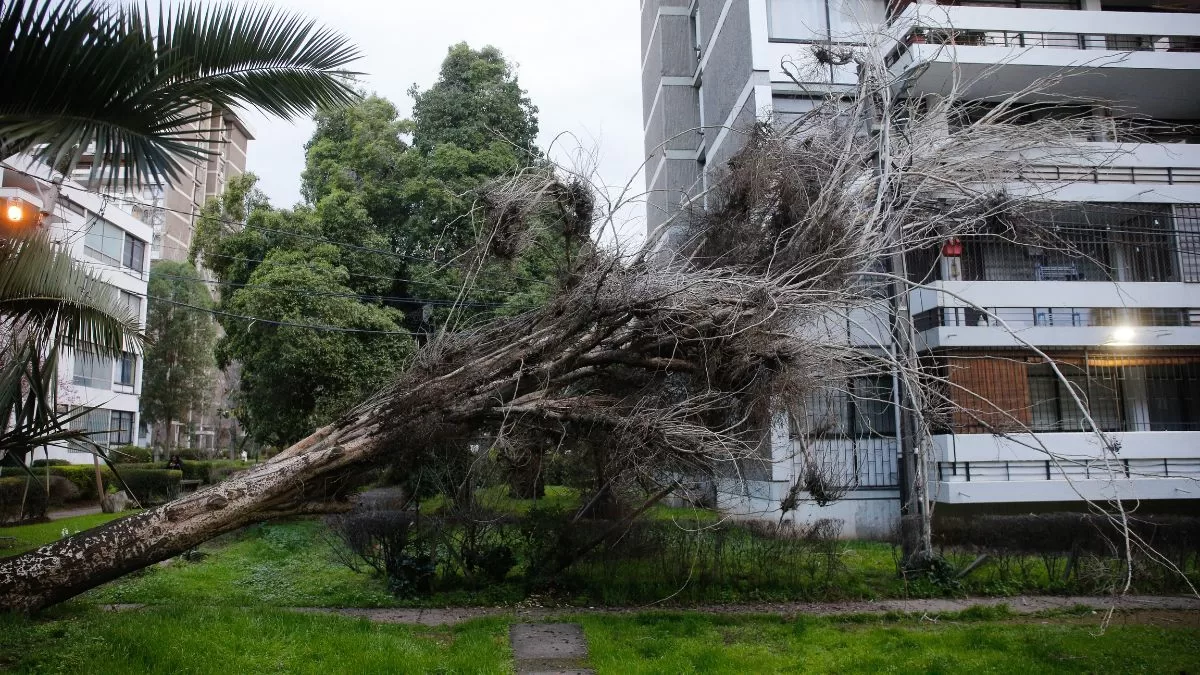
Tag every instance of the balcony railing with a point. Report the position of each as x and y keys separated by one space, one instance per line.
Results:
x=1070 y=317
x=1065 y=469
x=1145 y=175
x=1024 y=39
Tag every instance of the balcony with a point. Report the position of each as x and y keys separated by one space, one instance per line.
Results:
x=988 y=469
x=961 y=326
x=1144 y=62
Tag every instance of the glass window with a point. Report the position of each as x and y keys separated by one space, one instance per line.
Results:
x=133 y=302
x=135 y=253
x=798 y=19
x=104 y=241
x=122 y=428
x=126 y=370
x=95 y=423
x=872 y=412
x=92 y=370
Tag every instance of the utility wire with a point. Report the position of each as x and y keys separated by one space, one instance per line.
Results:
x=313 y=292
x=254 y=319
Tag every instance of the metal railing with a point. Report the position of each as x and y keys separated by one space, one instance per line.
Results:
x=1070 y=317
x=1064 y=469
x=1024 y=39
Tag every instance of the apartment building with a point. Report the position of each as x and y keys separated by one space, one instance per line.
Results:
x=115 y=244
x=171 y=208
x=1122 y=320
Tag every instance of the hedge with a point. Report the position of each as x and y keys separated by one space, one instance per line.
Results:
x=50 y=462
x=130 y=454
x=83 y=476
x=34 y=492
x=153 y=486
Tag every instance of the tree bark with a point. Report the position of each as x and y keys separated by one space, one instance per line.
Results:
x=70 y=566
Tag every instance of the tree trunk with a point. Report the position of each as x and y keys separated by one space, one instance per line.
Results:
x=70 y=566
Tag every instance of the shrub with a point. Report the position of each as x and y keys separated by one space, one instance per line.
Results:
x=153 y=486
x=83 y=476
x=33 y=490
x=130 y=454
x=51 y=462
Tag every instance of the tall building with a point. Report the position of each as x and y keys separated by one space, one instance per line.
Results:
x=1122 y=320
x=172 y=207
x=114 y=243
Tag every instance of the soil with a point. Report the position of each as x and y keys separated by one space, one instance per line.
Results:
x=1140 y=609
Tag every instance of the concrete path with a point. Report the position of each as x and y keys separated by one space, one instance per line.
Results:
x=1018 y=604
x=549 y=649
x=71 y=513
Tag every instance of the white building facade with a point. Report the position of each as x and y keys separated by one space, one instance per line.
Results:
x=1123 y=321
x=115 y=245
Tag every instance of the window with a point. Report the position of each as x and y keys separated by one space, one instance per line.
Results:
x=864 y=410
x=818 y=20
x=92 y=370
x=1053 y=404
x=871 y=412
x=104 y=241
x=110 y=244
x=126 y=370
x=135 y=253
x=133 y=302
x=122 y=428
x=94 y=423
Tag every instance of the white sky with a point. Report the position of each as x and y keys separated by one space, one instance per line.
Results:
x=578 y=59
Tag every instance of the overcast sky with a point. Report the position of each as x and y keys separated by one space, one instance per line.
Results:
x=578 y=59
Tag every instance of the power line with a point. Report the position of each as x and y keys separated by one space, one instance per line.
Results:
x=313 y=292
x=246 y=225
x=254 y=319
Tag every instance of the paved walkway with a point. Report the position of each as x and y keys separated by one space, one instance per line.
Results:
x=549 y=649
x=1018 y=604
x=71 y=513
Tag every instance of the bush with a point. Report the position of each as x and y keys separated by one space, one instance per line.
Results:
x=153 y=486
x=130 y=454
x=51 y=462
x=83 y=477
x=33 y=490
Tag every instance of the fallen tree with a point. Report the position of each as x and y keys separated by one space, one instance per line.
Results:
x=679 y=358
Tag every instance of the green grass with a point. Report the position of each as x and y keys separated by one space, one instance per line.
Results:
x=695 y=643
x=280 y=564
x=224 y=640
x=32 y=536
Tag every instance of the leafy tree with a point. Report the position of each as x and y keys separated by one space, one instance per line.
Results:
x=179 y=368
x=475 y=102
x=296 y=375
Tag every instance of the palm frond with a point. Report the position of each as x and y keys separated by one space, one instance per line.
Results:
x=49 y=295
x=87 y=76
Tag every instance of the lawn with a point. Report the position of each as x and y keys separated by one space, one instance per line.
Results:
x=230 y=640
x=696 y=643
x=175 y=639
x=31 y=536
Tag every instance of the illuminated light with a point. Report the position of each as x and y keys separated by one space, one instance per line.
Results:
x=1124 y=334
x=14 y=212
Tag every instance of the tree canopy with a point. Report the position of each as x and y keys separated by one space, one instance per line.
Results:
x=179 y=365
x=383 y=243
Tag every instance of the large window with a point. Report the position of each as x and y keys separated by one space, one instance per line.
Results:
x=96 y=423
x=820 y=20
x=92 y=370
x=110 y=244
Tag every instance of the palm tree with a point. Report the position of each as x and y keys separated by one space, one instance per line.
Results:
x=125 y=83
x=129 y=81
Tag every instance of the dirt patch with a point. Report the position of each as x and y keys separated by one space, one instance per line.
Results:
x=1169 y=607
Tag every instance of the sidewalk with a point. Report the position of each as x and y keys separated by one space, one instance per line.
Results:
x=71 y=513
x=1018 y=604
